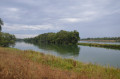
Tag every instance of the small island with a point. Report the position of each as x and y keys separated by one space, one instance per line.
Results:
x=61 y=37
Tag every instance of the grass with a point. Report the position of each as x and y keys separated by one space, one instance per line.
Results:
x=110 y=46
x=28 y=64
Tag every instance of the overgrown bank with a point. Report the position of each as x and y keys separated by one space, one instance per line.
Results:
x=28 y=64
x=110 y=46
x=105 y=39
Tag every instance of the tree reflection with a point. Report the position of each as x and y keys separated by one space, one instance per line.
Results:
x=61 y=49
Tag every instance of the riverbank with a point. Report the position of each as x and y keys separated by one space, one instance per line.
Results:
x=29 y=64
x=102 y=40
x=109 y=46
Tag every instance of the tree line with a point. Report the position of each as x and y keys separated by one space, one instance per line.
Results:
x=6 y=39
x=61 y=37
x=104 y=38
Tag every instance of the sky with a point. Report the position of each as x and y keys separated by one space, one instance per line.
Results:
x=91 y=18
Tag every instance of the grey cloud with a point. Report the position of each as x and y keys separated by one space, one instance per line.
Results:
x=83 y=15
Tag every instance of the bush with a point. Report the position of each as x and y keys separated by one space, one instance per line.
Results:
x=6 y=39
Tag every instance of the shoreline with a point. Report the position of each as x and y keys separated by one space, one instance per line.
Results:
x=102 y=40
x=16 y=58
x=109 y=46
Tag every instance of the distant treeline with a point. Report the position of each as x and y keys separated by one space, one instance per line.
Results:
x=6 y=39
x=109 y=46
x=104 y=38
x=61 y=37
x=19 y=39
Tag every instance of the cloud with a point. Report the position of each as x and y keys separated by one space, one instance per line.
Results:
x=74 y=20
x=25 y=35
x=13 y=9
x=10 y=13
x=15 y=27
x=52 y=15
x=70 y=19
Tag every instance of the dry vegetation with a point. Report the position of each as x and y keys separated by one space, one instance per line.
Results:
x=14 y=66
x=17 y=64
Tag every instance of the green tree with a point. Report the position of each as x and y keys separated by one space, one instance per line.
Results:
x=61 y=37
x=1 y=23
x=6 y=39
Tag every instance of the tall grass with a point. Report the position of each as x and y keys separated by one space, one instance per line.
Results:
x=110 y=46
x=36 y=65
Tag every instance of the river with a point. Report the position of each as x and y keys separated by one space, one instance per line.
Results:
x=86 y=54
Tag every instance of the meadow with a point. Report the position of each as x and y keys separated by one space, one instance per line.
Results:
x=28 y=64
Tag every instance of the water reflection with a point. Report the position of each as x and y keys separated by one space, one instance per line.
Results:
x=61 y=49
x=85 y=54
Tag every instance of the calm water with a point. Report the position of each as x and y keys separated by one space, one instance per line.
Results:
x=85 y=54
x=117 y=43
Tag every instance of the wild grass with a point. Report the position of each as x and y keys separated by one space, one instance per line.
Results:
x=28 y=64
x=109 y=46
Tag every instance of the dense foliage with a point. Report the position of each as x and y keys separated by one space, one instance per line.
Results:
x=6 y=39
x=61 y=37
